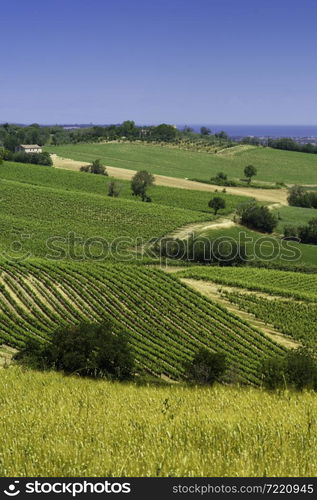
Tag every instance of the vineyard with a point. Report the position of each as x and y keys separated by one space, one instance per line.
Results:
x=166 y=322
x=285 y=283
x=297 y=319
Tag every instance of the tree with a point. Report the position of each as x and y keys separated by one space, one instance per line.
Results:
x=273 y=372
x=206 y=367
x=250 y=171
x=257 y=217
x=205 y=131
x=86 y=349
x=113 y=189
x=95 y=168
x=217 y=203
x=141 y=181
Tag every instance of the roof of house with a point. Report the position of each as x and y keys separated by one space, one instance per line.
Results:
x=30 y=146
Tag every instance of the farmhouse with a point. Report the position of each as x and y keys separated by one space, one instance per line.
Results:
x=29 y=148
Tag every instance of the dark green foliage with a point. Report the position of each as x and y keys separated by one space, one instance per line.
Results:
x=221 y=251
x=206 y=367
x=257 y=217
x=250 y=171
x=291 y=145
x=298 y=369
x=205 y=131
x=141 y=181
x=95 y=168
x=85 y=349
x=305 y=234
x=217 y=203
x=34 y=158
x=221 y=179
x=299 y=197
x=273 y=372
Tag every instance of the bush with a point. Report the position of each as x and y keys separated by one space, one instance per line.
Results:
x=298 y=369
x=34 y=158
x=95 y=168
x=299 y=197
x=85 y=349
x=206 y=367
x=257 y=217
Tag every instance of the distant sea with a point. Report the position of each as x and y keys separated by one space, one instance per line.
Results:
x=261 y=130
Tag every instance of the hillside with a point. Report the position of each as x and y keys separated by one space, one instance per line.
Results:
x=273 y=165
x=166 y=321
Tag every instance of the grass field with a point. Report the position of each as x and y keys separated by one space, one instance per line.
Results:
x=273 y=165
x=57 y=426
x=294 y=216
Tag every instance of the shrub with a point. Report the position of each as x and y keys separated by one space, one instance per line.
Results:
x=273 y=373
x=257 y=217
x=85 y=349
x=95 y=168
x=206 y=367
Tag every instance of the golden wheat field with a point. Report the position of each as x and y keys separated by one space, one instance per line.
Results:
x=51 y=425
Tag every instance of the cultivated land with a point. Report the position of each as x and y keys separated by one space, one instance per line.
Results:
x=273 y=165
x=246 y=312
x=57 y=426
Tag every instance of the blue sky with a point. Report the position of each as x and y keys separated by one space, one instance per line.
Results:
x=178 y=61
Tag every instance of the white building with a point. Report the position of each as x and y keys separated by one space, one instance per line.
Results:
x=29 y=148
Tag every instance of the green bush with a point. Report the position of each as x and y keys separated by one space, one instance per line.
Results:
x=206 y=367
x=85 y=349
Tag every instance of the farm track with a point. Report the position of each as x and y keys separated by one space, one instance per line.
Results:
x=263 y=195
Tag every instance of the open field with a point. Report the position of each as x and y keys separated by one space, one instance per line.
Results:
x=264 y=195
x=57 y=426
x=166 y=322
x=273 y=165
x=75 y=181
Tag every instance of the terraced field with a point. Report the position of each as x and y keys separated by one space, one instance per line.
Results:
x=166 y=321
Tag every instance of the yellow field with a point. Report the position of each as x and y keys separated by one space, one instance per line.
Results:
x=56 y=426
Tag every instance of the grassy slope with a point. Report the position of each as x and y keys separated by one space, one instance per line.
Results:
x=273 y=165
x=106 y=429
x=96 y=184
x=294 y=216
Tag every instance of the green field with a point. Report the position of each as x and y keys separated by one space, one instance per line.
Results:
x=293 y=318
x=72 y=427
x=273 y=165
x=67 y=180
x=294 y=216
x=165 y=321
x=284 y=283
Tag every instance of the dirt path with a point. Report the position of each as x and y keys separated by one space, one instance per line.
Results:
x=183 y=233
x=212 y=291
x=265 y=195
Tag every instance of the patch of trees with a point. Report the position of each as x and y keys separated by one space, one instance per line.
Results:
x=305 y=234
x=95 y=167
x=221 y=251
x=34 y=158
x=221 y=179
x=93 y=350
x=290 y=145
x=206 y=367
x=297 y=369
x=140 y=184
x=300 y=197
x=13 y=135
x=257 y=217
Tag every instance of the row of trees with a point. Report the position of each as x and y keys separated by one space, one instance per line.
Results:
x=34 y=158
